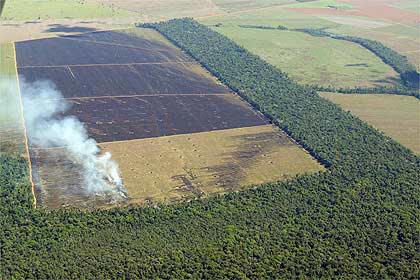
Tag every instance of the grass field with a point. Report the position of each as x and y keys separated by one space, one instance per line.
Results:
x=11 y=131
x=323 y=4
x=239 y=5
x=400 y=37
x=272 y=16
x=409 y=5
x=173 y=168
x=42 y=9
x=314 y=60
x=397 y=116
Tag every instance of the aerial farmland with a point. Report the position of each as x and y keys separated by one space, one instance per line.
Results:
x=176 y=132
x=209 y=139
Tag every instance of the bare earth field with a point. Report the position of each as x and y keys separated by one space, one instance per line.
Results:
x=173 y=168
x=397 y=116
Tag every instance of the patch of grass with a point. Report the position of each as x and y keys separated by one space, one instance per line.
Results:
x=409 y=5
x=7 y=61
x=273 y=16
x=58 y=9
x=401 y=38
x=314 y=60
x=323 y=4
x=180 y=167
x=397 y=116
x=11 y=130
x=237 y=5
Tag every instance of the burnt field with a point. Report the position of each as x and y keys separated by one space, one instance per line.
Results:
x=126 y=118
x=61 y=178
x=70 y=51
x=131 y=79
x=134 y=86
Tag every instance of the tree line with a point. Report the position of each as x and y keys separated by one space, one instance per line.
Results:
x=356 y=220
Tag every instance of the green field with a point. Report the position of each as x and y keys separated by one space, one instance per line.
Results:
x=57 y=9
x=237 y=5
x=11 y=132
x=314 y=60
x=409 y=5
x=397 y=116
x=272 y=16
x=323 y=4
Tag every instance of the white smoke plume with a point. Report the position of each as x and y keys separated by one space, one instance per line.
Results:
x=47 y=127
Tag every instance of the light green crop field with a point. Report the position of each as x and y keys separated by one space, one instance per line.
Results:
x=404 y=39
x=409 y=5
x=11 y=129
x=323 y=4
x=237 y=5
x=271 y=16
x=397 y=116
x=314 y=60
x=58 y=9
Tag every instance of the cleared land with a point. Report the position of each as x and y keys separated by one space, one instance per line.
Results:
x=397 y=116
x=126 y=118
x=131 y=85
x=76 y=51
x=173 y=168
x=315 y=60
x=11 y=129
x=58 y=178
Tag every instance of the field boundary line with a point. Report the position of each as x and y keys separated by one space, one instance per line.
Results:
x=173 y=135
x=107 y=64
x=24 y=129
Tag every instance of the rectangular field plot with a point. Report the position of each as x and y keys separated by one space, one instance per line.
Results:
x=133 y=79
x=12 y=137
x=174 y=168
x=397 y=116
x=125 y=118
x=71 y=51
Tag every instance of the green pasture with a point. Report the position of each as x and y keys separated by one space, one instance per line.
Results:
x=323 y=4
x=236 y=5
x=58 y=9
x=11 y=133
x=314 y=60
x=272 y=16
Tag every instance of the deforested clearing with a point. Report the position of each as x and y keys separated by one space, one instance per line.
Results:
x=180 y=133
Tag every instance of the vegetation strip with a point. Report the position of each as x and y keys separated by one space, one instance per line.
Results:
x=358 y=220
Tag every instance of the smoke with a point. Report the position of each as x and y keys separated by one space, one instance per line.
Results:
x=47 y=127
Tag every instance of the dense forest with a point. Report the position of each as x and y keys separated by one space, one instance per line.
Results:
x=358 y=220
x=407 y=71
